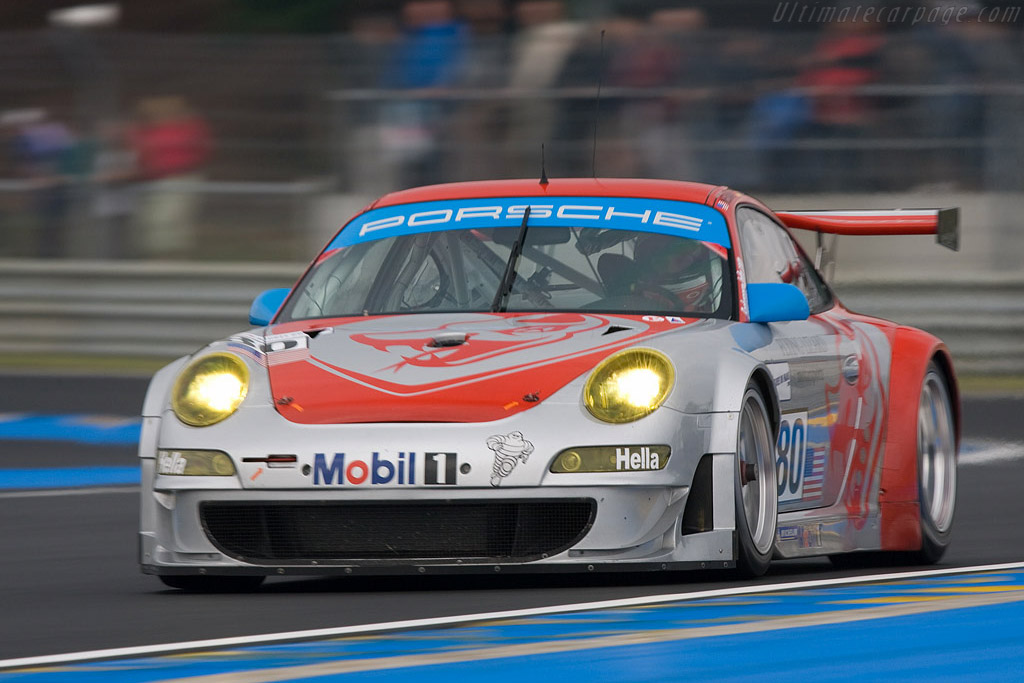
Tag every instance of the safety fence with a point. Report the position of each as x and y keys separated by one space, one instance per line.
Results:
x=167 y=309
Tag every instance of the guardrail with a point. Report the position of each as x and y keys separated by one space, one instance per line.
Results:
x=165 y=309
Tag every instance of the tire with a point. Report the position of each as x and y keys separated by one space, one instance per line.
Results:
x=757 y=501
x=213 y=584
x=936 y=465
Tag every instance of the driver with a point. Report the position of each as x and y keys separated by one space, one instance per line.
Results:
x=677 y=267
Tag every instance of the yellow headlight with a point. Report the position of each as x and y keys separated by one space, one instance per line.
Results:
x=629 y=385
x=210 y=389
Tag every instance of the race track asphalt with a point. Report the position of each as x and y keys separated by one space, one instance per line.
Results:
x=69 y=580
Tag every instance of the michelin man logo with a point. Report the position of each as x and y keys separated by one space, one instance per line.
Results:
x=509 y=450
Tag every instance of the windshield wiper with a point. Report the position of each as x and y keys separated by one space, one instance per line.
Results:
x=509 y=278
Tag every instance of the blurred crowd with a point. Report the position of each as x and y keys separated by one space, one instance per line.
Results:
x=134 y=177
x=440 y=90
x=775 y=110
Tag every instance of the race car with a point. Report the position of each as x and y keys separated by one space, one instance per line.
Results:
x=566 y=375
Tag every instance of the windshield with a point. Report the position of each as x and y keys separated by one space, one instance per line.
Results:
x=562 y=266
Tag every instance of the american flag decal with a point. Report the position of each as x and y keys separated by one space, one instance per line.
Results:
x=814 y=474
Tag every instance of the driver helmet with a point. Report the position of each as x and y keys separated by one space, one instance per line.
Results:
x=676 y=264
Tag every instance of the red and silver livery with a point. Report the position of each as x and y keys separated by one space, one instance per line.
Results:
x=581 y=374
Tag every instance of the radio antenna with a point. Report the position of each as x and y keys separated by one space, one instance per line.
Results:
x=543 y=167
x=597 y=105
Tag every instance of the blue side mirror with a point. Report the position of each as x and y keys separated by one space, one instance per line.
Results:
x=265 y=306
x=775 y=302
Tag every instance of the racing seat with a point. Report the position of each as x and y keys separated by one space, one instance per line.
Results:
x=618 y=274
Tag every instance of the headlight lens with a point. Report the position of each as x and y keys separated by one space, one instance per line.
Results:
x=611 y=459
x=629 y=385
x=195 y=463
x=210 y=389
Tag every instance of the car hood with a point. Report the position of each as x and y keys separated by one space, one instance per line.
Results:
x=468 y=367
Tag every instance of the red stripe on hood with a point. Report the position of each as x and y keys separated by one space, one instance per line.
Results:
x=386 y=370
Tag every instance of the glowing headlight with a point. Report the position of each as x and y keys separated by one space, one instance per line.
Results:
x=210 y=389
x=629 y=385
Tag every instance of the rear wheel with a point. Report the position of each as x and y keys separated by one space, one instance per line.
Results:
x=756 y=494
x=936 y=465
x=936 y=480
x=213 y=584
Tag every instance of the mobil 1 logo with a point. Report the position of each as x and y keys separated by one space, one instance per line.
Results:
x=440 y=469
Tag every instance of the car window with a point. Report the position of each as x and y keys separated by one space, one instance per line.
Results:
x=564 y=268
x=770 y=255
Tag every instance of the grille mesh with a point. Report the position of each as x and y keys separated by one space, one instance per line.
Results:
x=500 y=531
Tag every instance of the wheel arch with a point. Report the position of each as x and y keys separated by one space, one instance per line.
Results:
x=898 y=496
x=762 y=380
x=159 y=387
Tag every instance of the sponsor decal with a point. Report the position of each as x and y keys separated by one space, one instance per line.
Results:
x=741 y=281
x=402 y=469
x=509 y=450
x=805 y=536
x=440 y=468
x=674 y=319
x=641 y=460
x=624 y=213
x=273 y=349
x=170 y=463
x=342 y=471
x=782 y=379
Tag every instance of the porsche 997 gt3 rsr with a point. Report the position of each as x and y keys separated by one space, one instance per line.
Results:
x=575 y=375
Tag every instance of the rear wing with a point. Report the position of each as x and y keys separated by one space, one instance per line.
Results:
x=943 y=223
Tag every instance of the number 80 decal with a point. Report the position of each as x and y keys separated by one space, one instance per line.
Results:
x=791 y=456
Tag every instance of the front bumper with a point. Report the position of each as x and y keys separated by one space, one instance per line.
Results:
x=636 y=519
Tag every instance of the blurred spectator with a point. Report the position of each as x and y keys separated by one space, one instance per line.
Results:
x=172 y=144
x=429 y=57
x=363 y=59
x=480 y=119
x=44 y=151
x=846 y=58
x=973 y=55
x=115 y=172
x=671 y=53
x=543 y=42
x=737 y=67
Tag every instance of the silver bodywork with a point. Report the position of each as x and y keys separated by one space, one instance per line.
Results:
x=818 y=373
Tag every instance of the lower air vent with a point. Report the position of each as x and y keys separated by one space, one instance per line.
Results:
x=422 y=532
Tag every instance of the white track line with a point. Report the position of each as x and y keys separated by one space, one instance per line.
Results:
x=82 y=491
x=316 y=634
x=983 y=452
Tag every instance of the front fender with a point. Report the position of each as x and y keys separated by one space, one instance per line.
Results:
x=159 y=389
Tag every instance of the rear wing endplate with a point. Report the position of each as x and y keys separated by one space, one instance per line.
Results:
x=943 y=223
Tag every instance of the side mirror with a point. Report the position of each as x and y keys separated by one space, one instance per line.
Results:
x=265 y=306
x=773 y=302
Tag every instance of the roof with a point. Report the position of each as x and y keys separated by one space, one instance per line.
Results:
x=558 y=187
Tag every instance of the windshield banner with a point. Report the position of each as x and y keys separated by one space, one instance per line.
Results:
x=682 y=219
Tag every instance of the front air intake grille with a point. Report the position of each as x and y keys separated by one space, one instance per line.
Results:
x=479 y=531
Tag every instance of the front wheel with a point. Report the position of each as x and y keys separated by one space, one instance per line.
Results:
x=757 y=499
x=936 y=466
